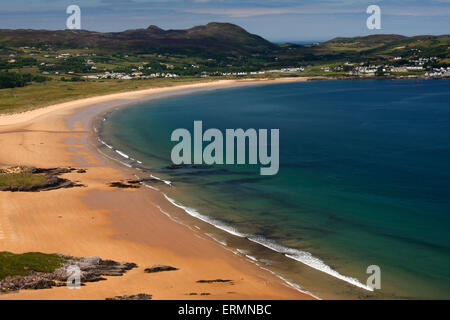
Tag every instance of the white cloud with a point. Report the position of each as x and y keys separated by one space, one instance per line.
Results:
x=430 y=11
x=250 y=12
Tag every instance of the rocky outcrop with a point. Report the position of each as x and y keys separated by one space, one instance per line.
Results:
x=139 y=296
x=53 y=181
x=188 y=166
x=160 y=268
x=123 y=185
x=214 y=281
x=134 y=184
x=91 y=269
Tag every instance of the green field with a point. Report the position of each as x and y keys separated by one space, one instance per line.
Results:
x=36 y=95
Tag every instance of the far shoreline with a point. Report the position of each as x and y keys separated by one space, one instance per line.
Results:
x=208 y=82
x=144 y=94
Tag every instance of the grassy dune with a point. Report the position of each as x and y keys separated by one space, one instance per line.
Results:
x=20 y=264
x=20 y=179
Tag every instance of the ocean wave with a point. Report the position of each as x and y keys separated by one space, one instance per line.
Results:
x=268 y=262
x=224 y=243
x=146 y=185
x=308 y=259
x=194 y=213
x=169 y=183
x=289 y=283
x=170 y=216
x=251 y=257
x=149 y=187
x=295 y=254
x=122 y=154
x=104 y=143
x=114 y=159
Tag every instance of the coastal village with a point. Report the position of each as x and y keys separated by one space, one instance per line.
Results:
x=412 y=67
x=92 y=65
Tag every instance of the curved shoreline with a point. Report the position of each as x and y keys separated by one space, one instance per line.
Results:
x=145 y=94
x=124 y=158
x=97 y=226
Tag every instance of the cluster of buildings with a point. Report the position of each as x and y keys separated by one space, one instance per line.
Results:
x=438 y=72
x=406 y=68
x=244 y=73
x=414 y=65
x=422 y=61
x=68 y=55
x=133 y=75
x=399 y=65
x=385 y=69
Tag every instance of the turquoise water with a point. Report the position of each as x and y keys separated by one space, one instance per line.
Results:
x=364 y=175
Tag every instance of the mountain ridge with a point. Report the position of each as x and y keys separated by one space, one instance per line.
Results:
x=221 y=40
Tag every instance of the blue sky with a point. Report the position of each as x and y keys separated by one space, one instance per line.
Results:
x=282 y=20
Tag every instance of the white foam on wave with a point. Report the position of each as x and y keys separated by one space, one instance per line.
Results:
x=169 y=183
x=194 y=213
x=104 y=154
x=168 y=215
x=308 y=259
x=244 y=252
x=224 y=243
x=123 y=154
x=144 y=184
x=150 y=187
x=268 y=262
x=251 y=257
x=295 y=254
x=289 y=283
x=104 y=143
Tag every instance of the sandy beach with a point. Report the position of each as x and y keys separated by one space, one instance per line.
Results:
x=118 y=224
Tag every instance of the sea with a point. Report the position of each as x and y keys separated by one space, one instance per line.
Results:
x=360 y=206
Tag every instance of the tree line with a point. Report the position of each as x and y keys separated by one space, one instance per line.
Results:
x=14 y=79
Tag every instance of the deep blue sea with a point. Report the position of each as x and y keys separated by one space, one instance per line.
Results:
x=364 y=180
